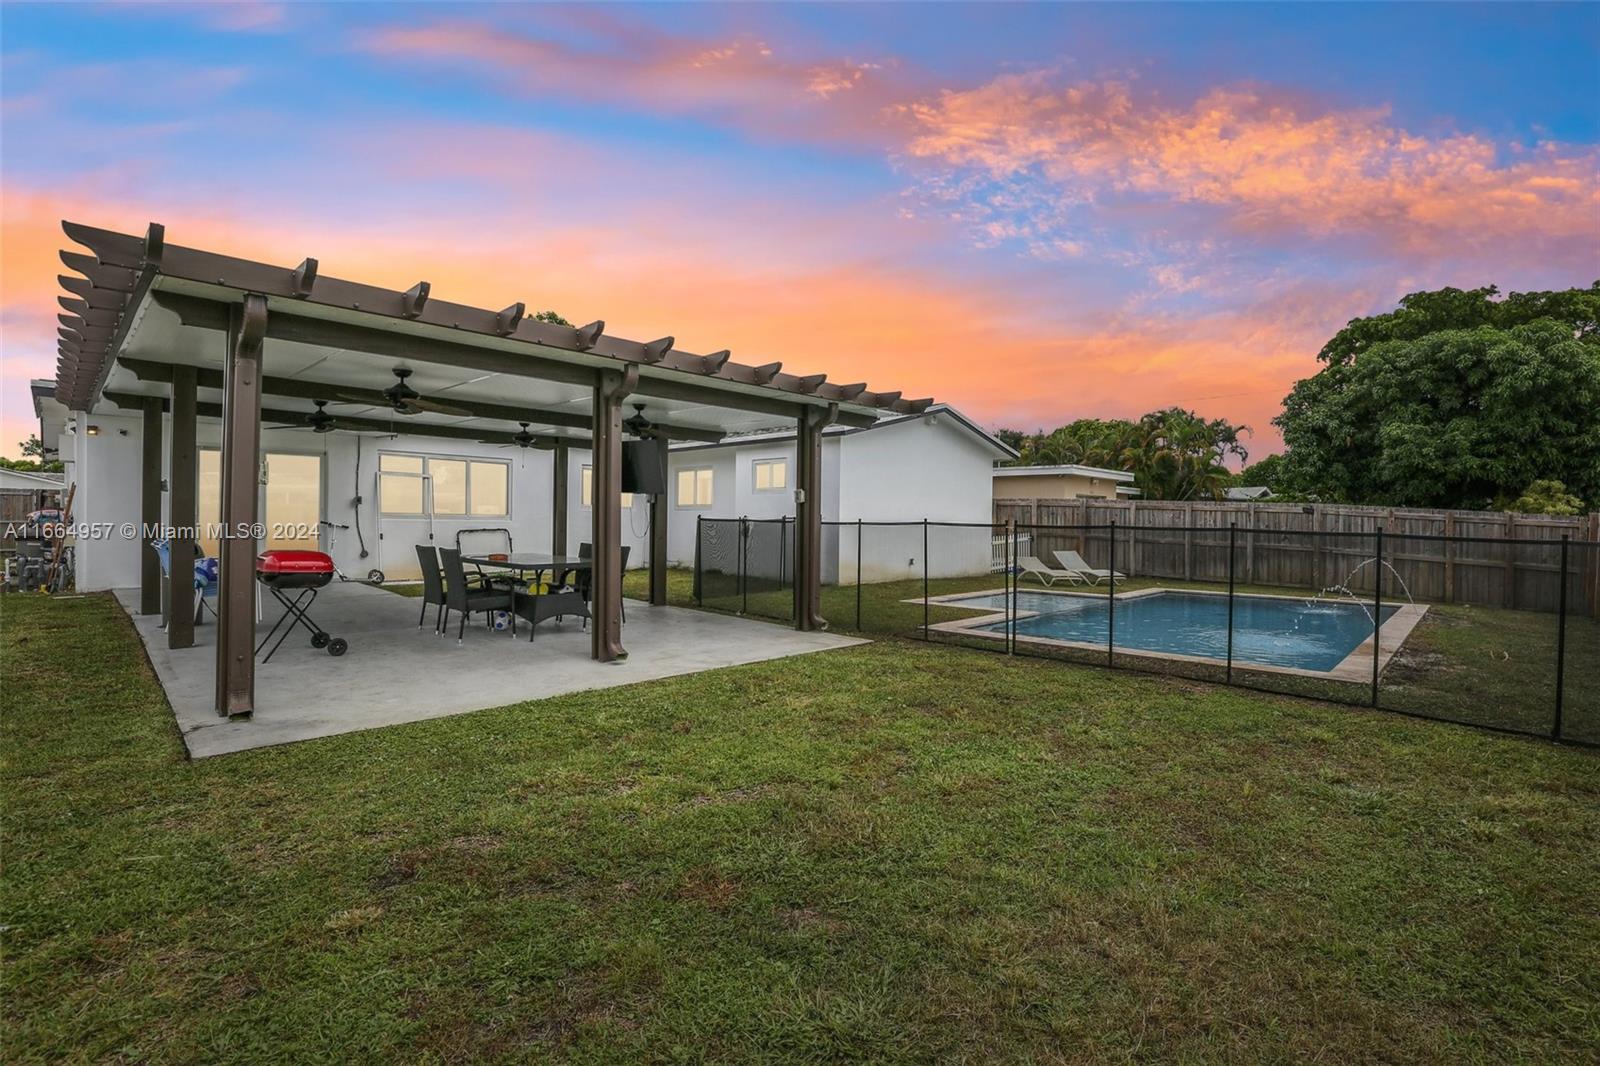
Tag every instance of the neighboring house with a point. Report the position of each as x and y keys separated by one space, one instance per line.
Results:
x=1066 y=482
x=1247 y=494
x=30 y=482
x=933 y=465
x=21 y=493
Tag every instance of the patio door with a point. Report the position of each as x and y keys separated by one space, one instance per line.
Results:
x=292 y=504
x=289 y=500
x=404 y=492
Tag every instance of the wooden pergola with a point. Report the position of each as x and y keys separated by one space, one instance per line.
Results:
x=181 y=332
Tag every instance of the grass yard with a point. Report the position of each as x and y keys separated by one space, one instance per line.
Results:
x=897 y=852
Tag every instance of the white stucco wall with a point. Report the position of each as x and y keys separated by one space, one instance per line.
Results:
x=106 y=468
x=580 y=519
x=931 y=468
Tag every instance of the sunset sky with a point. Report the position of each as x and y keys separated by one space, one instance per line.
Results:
x=1033 y=213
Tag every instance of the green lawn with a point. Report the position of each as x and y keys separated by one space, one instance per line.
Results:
x=893 y=852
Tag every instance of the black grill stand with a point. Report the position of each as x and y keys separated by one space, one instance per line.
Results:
x=297 y=611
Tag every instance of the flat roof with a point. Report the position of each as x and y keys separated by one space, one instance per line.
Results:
x=137 y=306
x=1064 y=470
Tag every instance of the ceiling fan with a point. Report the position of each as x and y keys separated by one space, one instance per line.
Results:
x=523 y=439
x=639 y=425
x=318 y=421
x=404 y=400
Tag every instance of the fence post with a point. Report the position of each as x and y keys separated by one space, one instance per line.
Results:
x=1377 y=613
x=1011 y=594
x=699 y=533
x=783 y=551
x=1133 y=538
x=858 y=575
x=924 y=579
x=1511 y=561
x=1449 y=557
x=1250 y=547
x=1561 y=638
x=1111 y=602
x=744 y=565
x=1188 y=540
x=1233 y=536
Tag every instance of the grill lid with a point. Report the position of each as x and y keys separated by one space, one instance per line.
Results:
x=293 y=561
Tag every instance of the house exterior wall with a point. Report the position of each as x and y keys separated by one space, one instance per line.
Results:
x=391 y=539
x=580 y=519
x=903 y=472
x=1054 y=487
x=683 y=522
x=929 y=468
x=106 y=468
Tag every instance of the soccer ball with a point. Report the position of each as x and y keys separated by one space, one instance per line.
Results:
x=502 y=620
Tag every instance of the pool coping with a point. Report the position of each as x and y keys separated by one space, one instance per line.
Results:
x=1356 y=666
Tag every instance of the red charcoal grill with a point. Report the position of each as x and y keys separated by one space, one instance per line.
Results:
x=300 y=573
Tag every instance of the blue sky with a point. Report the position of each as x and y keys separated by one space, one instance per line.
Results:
x=1034 y=212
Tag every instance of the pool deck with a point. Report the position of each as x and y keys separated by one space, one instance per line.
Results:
x=1357 y=666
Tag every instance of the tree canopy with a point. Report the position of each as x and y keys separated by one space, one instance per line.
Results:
x=1173 y=454
x=1456 y=399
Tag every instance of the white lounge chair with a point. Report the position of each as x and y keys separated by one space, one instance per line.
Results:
x=1072 y=563
x=1031 y=564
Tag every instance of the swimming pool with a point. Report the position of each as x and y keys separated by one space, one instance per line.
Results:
x=1274 y=631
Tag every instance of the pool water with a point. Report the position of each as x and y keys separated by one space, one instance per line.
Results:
x=1270 y=630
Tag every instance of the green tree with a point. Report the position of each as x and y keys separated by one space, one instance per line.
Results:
x=1266 y=471
x=1454 y=400
x=33 y=458
x=1546 y=497
x=1173 y=454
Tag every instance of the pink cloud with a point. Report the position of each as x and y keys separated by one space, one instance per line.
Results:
x=742 y=80
x=1271 y=170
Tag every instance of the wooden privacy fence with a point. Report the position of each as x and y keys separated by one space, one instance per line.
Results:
x=1489 y=558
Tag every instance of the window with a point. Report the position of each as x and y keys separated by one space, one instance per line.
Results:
x=588 y=490
x=694 y=487
x=771 y=475
x=449 y=486
x=454 y=487
x=491 y=492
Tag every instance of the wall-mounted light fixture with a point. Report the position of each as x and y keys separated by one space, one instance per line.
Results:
x=93 y=431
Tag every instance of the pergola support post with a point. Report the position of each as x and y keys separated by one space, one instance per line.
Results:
x=150 y=506
x=562 y=472
x=659 y=510
x=241 y=473
x=611 y=388
x=183 y=514
x=808 y=517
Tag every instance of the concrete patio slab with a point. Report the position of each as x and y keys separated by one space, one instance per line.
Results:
x=396 y=673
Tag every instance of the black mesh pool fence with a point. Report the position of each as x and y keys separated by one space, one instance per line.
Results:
x=1493 y=632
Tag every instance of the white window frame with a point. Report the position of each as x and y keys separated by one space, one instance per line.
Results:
x=586 y=490
x=757 y=464
x=427 y=484
x=695 y=503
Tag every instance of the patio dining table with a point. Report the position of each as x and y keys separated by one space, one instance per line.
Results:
x=535 y=606
x=534 y=563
